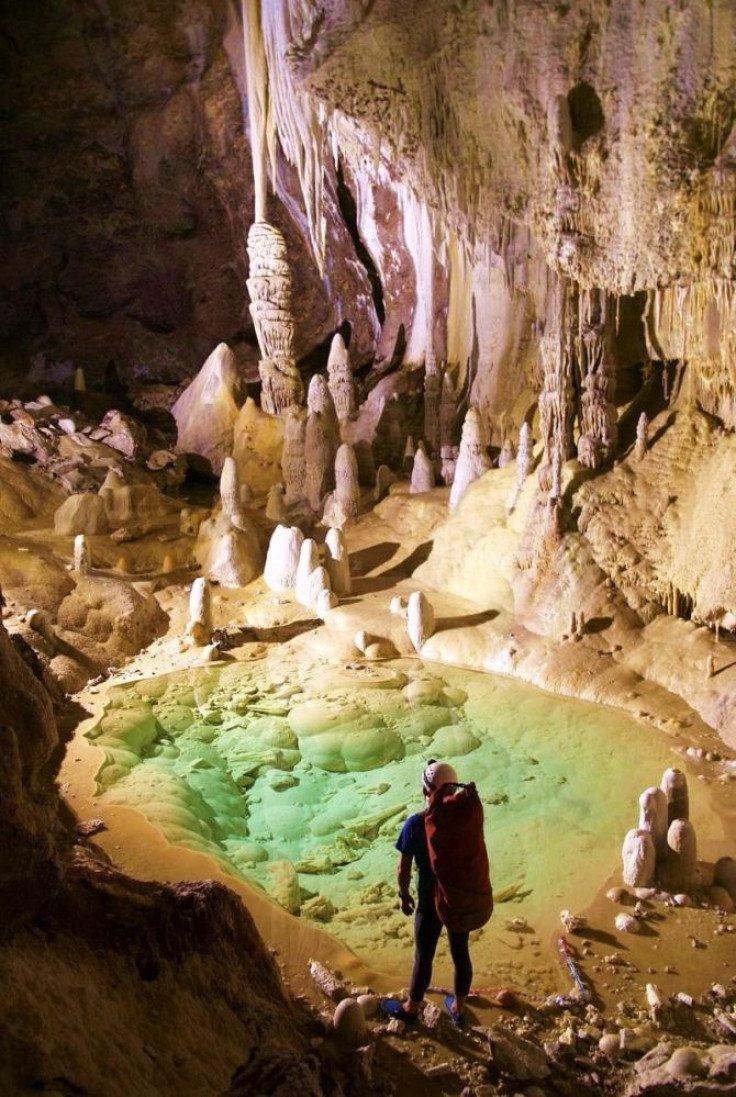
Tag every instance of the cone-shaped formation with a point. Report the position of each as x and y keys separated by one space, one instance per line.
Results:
x=233 y=558
x=282 y=559
x=678 y=873
x=419 y=619
x=347 y=489
x=507 y=454
x=524 y=456
x=674 y=786
x=642 y=436
x=206 y=411
x=653 y=817
x=341 y=379
x=318 y=585
x=432 y=397
x=472 y=459
x=337 y=562
x=82 y=561
x=80 y=383
x=320 y=449
x=422 y=474
x=275 y=506
x=308 y=562
x=319 y=398
x=449 y=463
x=199 y=626
x=269 y=286
x=639 y=858
x=293 y=462
x=230 y=490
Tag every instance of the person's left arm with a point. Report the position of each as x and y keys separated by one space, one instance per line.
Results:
x=403 y=880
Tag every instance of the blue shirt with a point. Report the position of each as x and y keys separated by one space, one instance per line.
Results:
x=413 y=843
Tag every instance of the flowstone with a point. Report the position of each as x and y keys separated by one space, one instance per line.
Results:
x=299 y=783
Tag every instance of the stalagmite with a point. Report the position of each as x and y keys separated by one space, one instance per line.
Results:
x=230 y=490
x=337 y=562
x=448 y=412
x=472 y=459
x=347 y=490
x=341 y=379
x=410 y=453
x=199 y=625
x=506 y=456
x=420 y=619
x=319 y=398
x=674 y=786
x=293 y=466
x=653 y=817
x=269 y=286
x=82 y=559
x=319 y=450
x=710 y=667
x=448 y=455
x=275 y=506
x=384 y=479
x=318 y=584
x=80 y=383
x=282 y=559
x=234 y=559
x=422 y=474
x=642 y=436
x=724 y=875
x=524 y=456
x=308 y=562
x=432 y=399
x=326 y=600
x=678 y=871
x=207 y=410
x=639 y=858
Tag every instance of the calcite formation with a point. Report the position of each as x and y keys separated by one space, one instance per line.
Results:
x=282 y=558
x=269 y=287
x=472 y=460
x=422 y=473
x=347 y=487
x=341 y=379
x=199 y=625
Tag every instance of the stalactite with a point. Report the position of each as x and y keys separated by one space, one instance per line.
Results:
x=269 y=286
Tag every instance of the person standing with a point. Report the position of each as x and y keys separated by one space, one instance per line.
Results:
x=414 y=849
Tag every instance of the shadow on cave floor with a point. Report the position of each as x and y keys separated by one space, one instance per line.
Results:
x=365 y=560
x=408 y=566
x=228 y=638
x=444 y=623
x=597 y=624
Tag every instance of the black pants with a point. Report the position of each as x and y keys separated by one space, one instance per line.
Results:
x=427 y=930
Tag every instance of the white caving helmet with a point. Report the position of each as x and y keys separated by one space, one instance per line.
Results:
x=436 y=775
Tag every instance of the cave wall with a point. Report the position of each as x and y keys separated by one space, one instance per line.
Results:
x=127 y=194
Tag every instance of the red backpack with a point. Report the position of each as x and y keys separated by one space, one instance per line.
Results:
x=457 y=852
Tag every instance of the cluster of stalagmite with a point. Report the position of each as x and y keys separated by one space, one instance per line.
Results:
x=269 y=286
x=663 y=847
x=341 y=379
